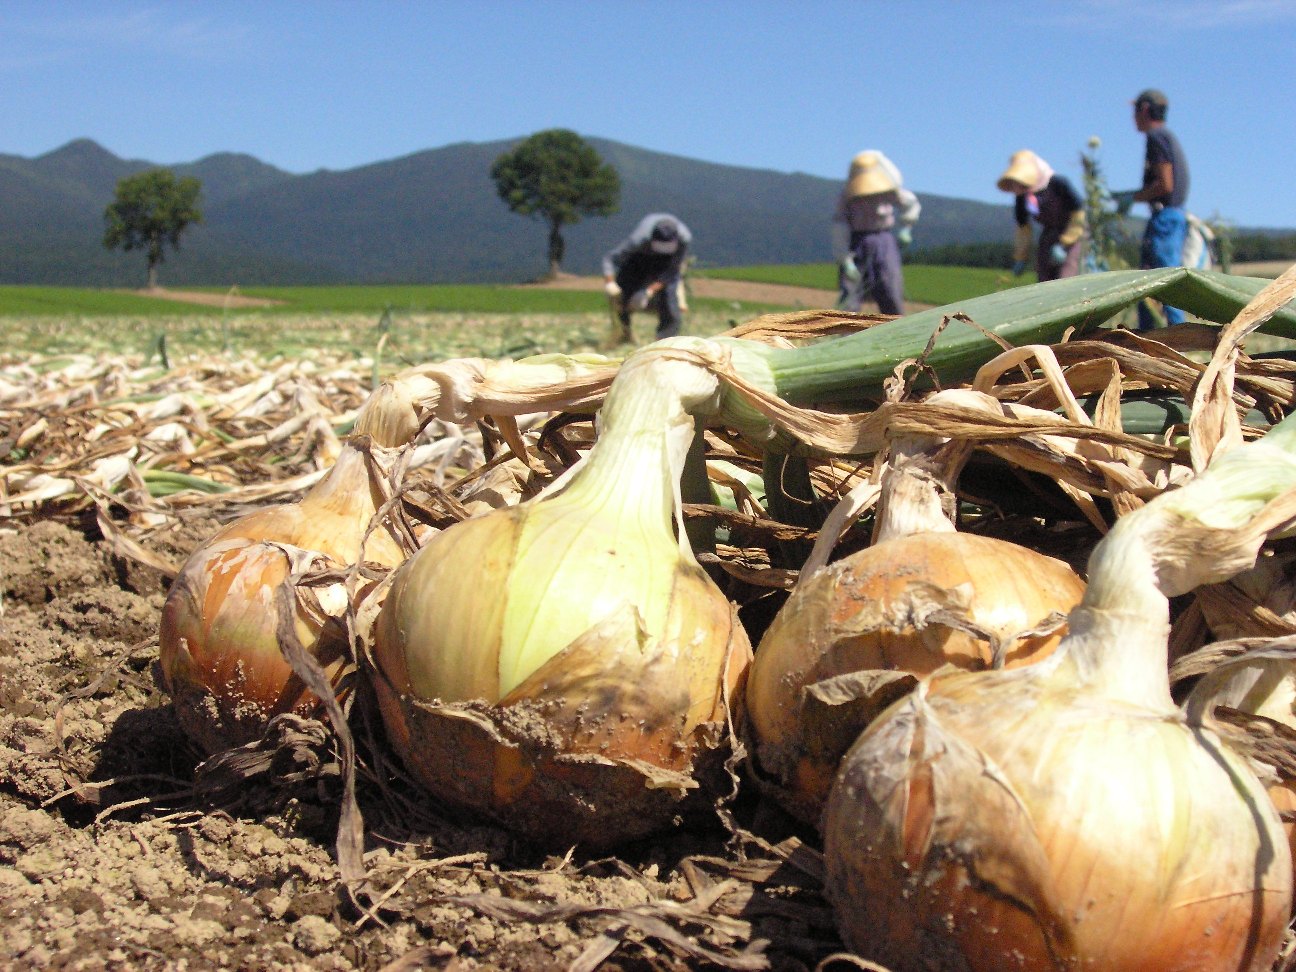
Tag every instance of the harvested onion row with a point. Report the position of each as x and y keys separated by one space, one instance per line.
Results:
x=1064 y=813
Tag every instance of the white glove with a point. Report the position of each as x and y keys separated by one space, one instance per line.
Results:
x=849 y=270
x=611 y=289
x=640 y=300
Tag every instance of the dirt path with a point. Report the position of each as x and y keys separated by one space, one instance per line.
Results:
x=230 y=299
x=761 y=293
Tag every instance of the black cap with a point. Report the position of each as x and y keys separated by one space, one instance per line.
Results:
x=665 y=231
x=1151 y=96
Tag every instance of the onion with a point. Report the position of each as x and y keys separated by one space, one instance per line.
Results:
x=1261 y=682
x=922 y=596
x=908 y=605
x=564 y=666
x=1067 y=814
x=221 y=659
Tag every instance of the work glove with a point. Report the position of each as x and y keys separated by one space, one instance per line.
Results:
x=1057 y=254
x=849 y=270
x=1124 y=201
x=1018 y=268
x=640 y=300
x=904 y=236
x=611 y=288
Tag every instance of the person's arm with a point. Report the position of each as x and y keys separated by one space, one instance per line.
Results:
x=1160 y=164
x=1075 y=226
x=1162 y=183
x=671 y=270
x=613 y=259
x=909 y=207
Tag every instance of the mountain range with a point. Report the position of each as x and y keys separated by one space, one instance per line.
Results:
x=429 y=217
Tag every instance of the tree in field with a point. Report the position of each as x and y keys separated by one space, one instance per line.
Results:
x=149 y=212
x=556 y=176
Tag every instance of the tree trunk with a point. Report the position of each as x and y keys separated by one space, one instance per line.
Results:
x=154 y=259
x=557 y=246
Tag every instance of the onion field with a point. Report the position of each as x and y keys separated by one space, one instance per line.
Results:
x=409 y=627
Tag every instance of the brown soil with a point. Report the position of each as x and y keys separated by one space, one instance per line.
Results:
x=802 y=298
x=757 y=293
x=112 y=858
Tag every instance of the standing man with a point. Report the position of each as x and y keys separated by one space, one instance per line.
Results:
x=872 y=202
x=1165 y=190
x=648 y=264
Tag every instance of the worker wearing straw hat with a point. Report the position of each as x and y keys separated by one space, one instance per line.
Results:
x=872 y=203
x=1050 y=200
x=1165 y=190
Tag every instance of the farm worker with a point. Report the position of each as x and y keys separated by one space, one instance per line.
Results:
x=648 y=264
x=1165 y=190
x=871 y=204
x=1051 y=201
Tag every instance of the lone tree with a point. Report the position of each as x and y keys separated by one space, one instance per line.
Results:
x=556 y=176
x=150 y=211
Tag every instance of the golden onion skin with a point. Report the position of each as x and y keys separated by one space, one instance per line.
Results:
x=604 y=742
x=220 y=656
x=219 y=652
x=1025 y=830
x=868 y=612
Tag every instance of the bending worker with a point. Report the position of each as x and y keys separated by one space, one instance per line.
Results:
x=648 y=264
x=872 y=203
x=1051 y=201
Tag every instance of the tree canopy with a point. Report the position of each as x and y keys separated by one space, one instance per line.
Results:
x=149 y=212
x=558 y=177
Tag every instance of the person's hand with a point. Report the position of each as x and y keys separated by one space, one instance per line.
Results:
x=1057 y=254
x=1018 y=268
x=904 y=236
x=1124 y=201
x=611 y=288
x=640 y=299
x=849 y=270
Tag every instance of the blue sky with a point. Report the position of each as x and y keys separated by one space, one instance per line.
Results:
x=947 y=89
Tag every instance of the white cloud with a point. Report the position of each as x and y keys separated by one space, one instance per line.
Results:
x=49 y=35
x=1176 y=14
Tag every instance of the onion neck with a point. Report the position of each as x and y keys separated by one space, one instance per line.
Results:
x=646 y=427
x=346 y=490
x=1118 y=637
x=1203 y=532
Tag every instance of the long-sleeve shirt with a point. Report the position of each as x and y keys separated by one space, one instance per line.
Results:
x=880 y=211
x=640 y=241
x=1059 y=211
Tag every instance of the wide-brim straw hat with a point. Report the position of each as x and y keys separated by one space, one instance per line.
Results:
x=1022 y=172
x=872 y=172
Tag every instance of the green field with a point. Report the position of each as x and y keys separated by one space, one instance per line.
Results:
x=924 y=284
x=398 y=323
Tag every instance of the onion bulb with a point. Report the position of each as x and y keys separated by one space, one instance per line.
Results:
x=1066 y=814
x=1262 y=683
x=221 y=659
x=908 y=605
x=563 y=666
x=922 y=596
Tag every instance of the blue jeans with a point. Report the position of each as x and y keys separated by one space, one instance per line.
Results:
x=1163 y=242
